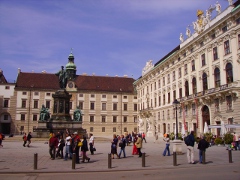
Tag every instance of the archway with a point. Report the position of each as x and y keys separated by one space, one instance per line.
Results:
x=205 y=116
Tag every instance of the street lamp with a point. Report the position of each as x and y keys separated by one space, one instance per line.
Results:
x=175 y=104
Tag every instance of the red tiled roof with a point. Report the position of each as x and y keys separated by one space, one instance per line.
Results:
x=83 y=82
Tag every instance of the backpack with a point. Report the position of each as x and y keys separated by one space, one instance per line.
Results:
x=187 y=140
x=120 y=143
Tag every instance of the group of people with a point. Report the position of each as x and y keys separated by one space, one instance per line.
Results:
x=72 y=143
x=27 y=139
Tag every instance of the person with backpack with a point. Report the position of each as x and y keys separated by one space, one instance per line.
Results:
x=189 y=141
x=202 y=146
x=122 y=145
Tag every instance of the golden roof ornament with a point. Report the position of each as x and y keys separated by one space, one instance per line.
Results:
x=199 y=13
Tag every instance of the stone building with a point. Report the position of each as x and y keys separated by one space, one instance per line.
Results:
x=201 y=73
x=108 y=104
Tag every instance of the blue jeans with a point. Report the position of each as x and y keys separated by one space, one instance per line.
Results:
x=166 y=149
x=122 y=150
x=67 y=151
x=200 y=156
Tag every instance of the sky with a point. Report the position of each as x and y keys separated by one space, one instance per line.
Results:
x=108 y=37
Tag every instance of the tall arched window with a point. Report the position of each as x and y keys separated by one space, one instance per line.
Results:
x=204 y=80
x=217 y=77
x=186 y=88
x=194 y=85
x=229 y=73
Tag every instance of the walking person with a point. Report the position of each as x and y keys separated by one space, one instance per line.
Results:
x=167 y=140
x=235 y=140
x=122 y=145
x=114 y=143
x=84 y=150
x=144 y=137
x=29 y=137
x=134 y=150
x=24 y=139
x=76 y=140
x=190 y=140
x=1 y=138
x=68 y=147
x=53 y=144
x=202 y=146
x=139 y=145
x=91 y=143
x=61 y=145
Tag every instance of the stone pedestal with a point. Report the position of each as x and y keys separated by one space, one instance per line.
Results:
x=177 y=146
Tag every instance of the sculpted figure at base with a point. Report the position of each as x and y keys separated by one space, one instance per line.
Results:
x=44 y=114
x=77 y=116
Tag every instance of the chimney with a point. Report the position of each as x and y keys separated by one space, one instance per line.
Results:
x=19 y=70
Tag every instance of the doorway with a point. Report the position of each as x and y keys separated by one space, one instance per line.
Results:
x=205 y=116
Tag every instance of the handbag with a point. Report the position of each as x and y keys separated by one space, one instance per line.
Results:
x=94 y=149
x=80 y=144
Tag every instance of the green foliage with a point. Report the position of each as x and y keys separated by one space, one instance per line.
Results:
x=208 y=136
x=218 y=141
x=228 y=138
x=172 y=136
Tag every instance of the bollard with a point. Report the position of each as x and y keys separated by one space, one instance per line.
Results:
x=143 y=159
x=35 y=161
x=73 y=160
x=204 y=157
x=230 y=155
x=174 y=159
x=109 y=161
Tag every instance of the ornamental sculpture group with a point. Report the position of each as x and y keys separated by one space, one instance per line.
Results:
x=202 y=20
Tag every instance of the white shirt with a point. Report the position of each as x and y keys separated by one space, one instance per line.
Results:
x=68 y=141
x=91 y=139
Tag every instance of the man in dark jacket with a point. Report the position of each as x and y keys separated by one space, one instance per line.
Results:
x=190 y=148
x=202 y=146
x=122 y=145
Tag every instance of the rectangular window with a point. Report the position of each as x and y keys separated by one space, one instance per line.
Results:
x=192 y=49
x=91 y=118
x=193 y=109
x=135 y=119
x=80 y=105
x=125 y=119
x=22 y=117
x=35 y=104
x=185 y=69
x=238 y=21
x=114 y=119
x=164 y=100
x=174 y=95
x=215 y=53
x=124 y=97
x=24 y=103
x=48 y=94
x=21 y=128
x=173 y=76
x=224 y=29
x=203 y=60
x=48 y=104
x=239 y=41
x=103 y=129
x=80 y=95
x=104 y=96
x=125 y=129
x=115 y=106
x=213 y=36
x=70 y=105
x=103 y=119
x=179 y=72
x=169 y=97
x=163 y=81
x=91 y=129
x=216 y=102
x=201 y=44
x=114 y=129
x=104 y=106
x=179 y=59
x=7 y=87
x=186 y=110
x=92 y=95
x=34 y=117
x=92 y=105
x=36 y=93
x=184 y=54
x=159 y=83
x=193 y=65
x=159 y=100
x=5 y=117
x=6 y=103
x=226 y=47
x=180 y=92
x=135 y=107
x=24 y=93
x=114 y=96
x=168 y=78
x=229 y=102
x=125 y=107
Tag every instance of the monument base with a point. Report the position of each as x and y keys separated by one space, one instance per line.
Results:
x=177 y=146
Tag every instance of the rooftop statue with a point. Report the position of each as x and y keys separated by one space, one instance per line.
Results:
x=188 y=32
x=230 y=2
x=62 y=75
x=77 y=116
x=218 y=7
x=44 y=114
x=181 y=38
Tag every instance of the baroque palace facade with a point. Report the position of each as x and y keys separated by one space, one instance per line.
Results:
x=108 y=104
x=202 y=73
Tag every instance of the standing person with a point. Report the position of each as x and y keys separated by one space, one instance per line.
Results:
x=84 y=149
x=139 y=145
x=122 y=145
x=76 y=140
x=114 y=143
x=190 y=140
x=61 y=144
x=134 y=151
x=235 y=140
x=68 y=147
x=144 y=137
x=1 y=138
x=53 y=144
x=91 y=143
x=167 y=140
x=24 y=139
x=202 y=146
x=29 y=137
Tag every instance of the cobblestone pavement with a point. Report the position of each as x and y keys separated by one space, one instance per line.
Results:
x=14 y=158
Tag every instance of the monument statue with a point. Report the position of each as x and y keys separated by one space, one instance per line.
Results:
x=62 y=75
x=44 y=114
x=77 y=116
x=218 y=7
x=181 y=38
